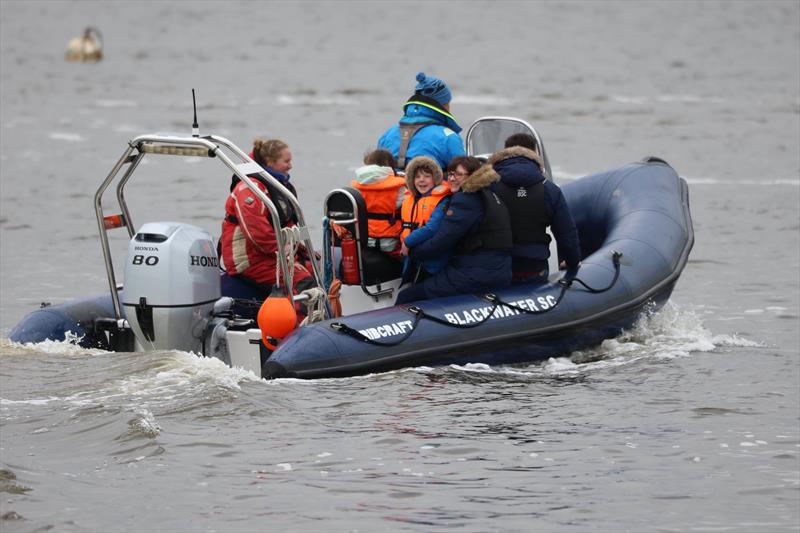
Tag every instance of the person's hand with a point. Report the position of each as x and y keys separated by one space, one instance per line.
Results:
x=563 y=265
x=404 y=250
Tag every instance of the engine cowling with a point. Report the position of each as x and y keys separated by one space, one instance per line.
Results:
x=172 y=280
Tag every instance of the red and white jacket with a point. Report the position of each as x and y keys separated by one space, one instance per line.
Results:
x=248 y=239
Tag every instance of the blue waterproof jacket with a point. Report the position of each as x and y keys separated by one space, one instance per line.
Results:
x=476 y=271
x=519 y=167
x=439 y=140
x=422 y=234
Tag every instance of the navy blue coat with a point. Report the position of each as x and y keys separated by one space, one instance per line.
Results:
x=518 y=167
x=476 y=271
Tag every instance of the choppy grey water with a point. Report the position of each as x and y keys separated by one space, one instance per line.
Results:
x=687 y=423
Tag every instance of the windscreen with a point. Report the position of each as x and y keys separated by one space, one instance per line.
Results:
x=488 y=136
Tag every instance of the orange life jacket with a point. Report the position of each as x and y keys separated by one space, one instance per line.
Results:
x=417 y=211
x=381 y=200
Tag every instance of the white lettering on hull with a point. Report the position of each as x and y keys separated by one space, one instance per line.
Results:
x=478 y=314
x=466 y=316
x=387 y=330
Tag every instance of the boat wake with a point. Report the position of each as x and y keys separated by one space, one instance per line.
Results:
x=667 y=334
x=68 y=347
x=139 y=381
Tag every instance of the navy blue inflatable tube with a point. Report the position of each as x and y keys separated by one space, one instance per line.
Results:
x=78 y=317
x=640 y=210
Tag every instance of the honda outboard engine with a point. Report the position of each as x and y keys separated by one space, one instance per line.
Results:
x=172 y=280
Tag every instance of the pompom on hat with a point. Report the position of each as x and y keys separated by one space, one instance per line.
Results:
x=433 y=88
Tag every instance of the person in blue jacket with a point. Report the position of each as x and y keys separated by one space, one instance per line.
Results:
x=534 y=203
x=476 y=232
x=426 y=127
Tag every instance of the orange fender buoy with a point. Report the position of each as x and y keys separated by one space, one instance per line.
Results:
x=276 y=317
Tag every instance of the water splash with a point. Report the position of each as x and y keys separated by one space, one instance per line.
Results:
x=176 y=371
x=70 y=346
x=130 y=380
x=165 y=378
x=144 y=423
x=667 y=334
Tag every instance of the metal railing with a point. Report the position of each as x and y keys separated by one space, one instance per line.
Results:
x=207 y=146
x=351 y=218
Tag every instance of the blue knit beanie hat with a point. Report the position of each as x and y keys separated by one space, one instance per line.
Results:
x=433 y=88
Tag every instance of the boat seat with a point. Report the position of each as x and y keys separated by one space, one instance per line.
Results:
x=379 y=267
x=346 y=207
x=248 y=296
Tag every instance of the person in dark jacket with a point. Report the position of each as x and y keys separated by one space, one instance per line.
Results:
x=476 y=230
x=534 y=203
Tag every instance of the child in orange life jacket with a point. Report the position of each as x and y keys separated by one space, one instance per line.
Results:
x=383 y=192
x=425 y=192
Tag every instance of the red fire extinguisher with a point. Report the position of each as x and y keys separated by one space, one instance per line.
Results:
x=350 y=261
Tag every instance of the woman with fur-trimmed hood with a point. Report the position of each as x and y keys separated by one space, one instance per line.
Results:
x=476 y=230
x=534 y=203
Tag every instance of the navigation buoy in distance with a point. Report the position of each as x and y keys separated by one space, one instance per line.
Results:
x=87 y=48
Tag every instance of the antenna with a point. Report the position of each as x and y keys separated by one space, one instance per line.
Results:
x=195 y=127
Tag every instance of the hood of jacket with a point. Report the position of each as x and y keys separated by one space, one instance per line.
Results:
x=369 y=174
x=480 y=179
x=518 y=166
x=422 y=161
x=420 y=108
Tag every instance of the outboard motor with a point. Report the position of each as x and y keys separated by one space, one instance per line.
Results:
x=172 y=280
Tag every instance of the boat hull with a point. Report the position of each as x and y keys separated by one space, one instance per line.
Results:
x=76 y=320
x=639 y=210
x=636 y=234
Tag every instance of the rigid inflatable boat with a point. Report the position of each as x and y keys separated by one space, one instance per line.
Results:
x=635 y=232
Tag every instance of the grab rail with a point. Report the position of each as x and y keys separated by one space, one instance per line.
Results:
x=207 y=146
x=347 y=218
